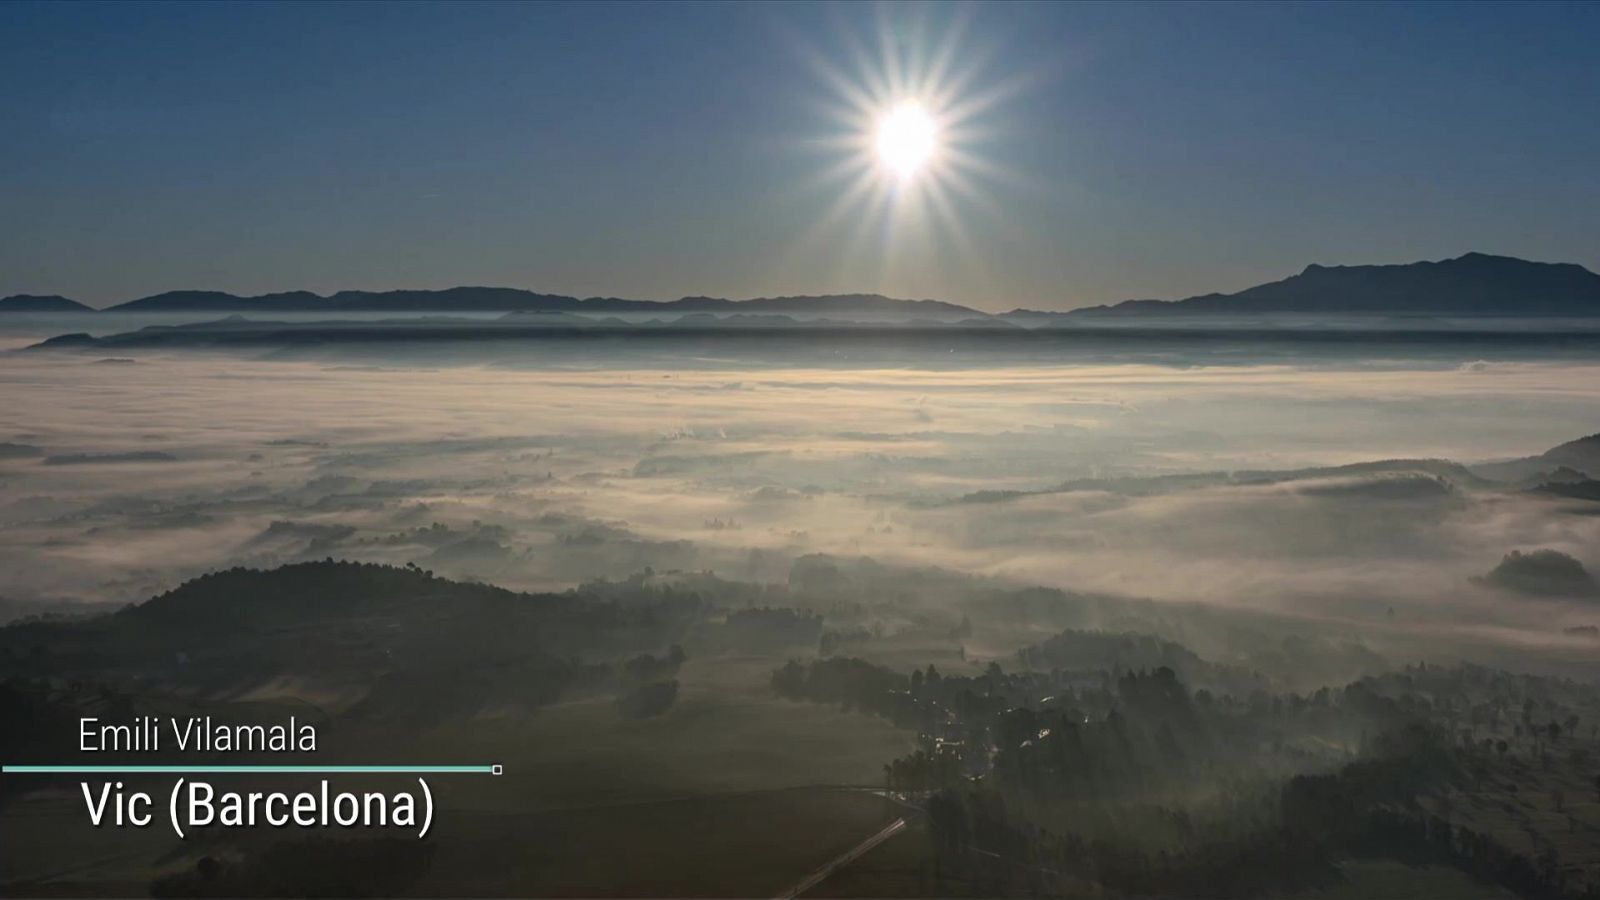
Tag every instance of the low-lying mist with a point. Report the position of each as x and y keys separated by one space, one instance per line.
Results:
x=121 y=477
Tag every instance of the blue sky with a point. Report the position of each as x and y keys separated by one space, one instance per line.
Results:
x=660 y=150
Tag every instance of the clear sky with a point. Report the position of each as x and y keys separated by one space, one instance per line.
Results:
x=652 y=151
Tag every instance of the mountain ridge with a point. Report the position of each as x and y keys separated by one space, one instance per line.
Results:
x=1473 y=284
x=42 y=303
x=494 y=299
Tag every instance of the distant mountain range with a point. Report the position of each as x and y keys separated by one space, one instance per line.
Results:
x=1573 y=461
x=492 y=299
x=37 y=303
x=1472 y=285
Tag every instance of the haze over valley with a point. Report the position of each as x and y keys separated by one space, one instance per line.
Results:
x=800 y=450
x=1292 y=525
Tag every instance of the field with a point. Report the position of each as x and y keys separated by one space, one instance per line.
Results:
x=1367 y=878
x=731 y=845
x=726 y=733
x=902 y=867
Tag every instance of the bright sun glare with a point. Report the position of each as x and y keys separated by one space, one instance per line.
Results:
x=907 y=138
x=907 y=112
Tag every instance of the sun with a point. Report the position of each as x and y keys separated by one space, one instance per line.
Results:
x=906 y=139
x=908 y=122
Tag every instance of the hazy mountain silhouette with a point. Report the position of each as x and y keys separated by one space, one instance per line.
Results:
x=1158 y=342
x=1472 y=285
x=1582 y=454
x=830 y=303
x=207 y=301
x=1476 y=284
x=41 y=303
x=238 y=331
x=492 y=299
x=1580 y=457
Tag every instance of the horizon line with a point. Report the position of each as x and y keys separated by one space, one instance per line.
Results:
x=1047 y=309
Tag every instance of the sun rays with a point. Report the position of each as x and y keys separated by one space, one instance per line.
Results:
x=902 y=160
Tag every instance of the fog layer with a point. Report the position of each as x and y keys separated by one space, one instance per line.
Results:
x=120 y=479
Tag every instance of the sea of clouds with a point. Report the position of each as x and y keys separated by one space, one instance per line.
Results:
x=120 y=479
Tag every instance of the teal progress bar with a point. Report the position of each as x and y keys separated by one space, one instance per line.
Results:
x=251 y=770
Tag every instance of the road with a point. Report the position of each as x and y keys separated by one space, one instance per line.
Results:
x=849 y=856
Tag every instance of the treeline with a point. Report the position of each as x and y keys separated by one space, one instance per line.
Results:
x=1368 y=808
x=764 y=629
x=925 y=699
x=342 y=620
x=1058 y=735
x=1084 y=650
x=981 y=845
x=1423 y=838
x=650 y=684
x=1119 y=785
